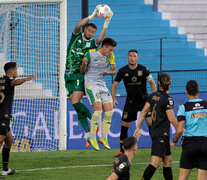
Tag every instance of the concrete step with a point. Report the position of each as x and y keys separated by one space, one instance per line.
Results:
x=201 y=44
x=184 y=15
x=29 y=85
x=196 y=23
x=166 y=52
x=27 y=94
x=148 y=2
x=198 y=37
x=192 y=30
x=182 y=8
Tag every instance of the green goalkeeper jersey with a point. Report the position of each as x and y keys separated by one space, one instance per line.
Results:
x=76 y=50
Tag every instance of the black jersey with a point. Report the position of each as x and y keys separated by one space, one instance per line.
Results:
x=160 y=102
x=122 y=167
x=6 y=96
x=135 y=82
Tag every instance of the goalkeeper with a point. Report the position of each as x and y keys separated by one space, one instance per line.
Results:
x=74 y=80
x=95 y=65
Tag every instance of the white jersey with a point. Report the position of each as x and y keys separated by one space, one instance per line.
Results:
x=96 y=63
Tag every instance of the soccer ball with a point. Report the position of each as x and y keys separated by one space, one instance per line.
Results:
x=103 y=11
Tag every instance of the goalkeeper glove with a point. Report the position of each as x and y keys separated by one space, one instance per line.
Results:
x=94 y=14
x=108 y=19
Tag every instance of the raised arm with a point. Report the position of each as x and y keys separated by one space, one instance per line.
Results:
x=104 y=30
x=17 y=82
x=143 y=113
x=113 y=92
x=84 y=21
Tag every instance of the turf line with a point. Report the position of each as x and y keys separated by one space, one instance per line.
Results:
x=84 y=166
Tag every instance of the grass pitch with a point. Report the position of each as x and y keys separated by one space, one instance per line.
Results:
x=81 y=164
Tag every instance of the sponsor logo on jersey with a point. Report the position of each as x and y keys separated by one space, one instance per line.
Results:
x=198 y=106
x=140 y=73
x=197 y=115
x=126 y=75
x=125 y=115
x=155 y=98
x=134 y=79
x=121 y=166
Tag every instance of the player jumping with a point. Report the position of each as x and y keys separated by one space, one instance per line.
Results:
x=78 y=46
x=95 y=66
x=7 y=84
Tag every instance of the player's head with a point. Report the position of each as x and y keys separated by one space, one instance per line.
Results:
x=164 y=81
x=132 y=57
x=192 y=88
x=90 y=30
x=108 y=46
x=10 y=69
x=130 y=144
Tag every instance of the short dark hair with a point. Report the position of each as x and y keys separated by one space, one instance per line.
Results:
x=192 y=87
x=165 y=81
x=9 y=65
x=92 y=25
x=133 y=50
x=109 y=42
x=129 y=143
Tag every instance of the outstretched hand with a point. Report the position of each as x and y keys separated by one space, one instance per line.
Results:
x=32 y=77
x=94 y=14
x=108 y=19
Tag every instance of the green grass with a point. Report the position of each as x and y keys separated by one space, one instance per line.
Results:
x=23 y=161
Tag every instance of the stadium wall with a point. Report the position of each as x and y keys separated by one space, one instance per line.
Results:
x=41 y=131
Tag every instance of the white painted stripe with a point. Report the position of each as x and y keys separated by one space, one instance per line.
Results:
x=84 y=166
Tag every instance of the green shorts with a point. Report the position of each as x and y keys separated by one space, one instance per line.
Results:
x=74 y=82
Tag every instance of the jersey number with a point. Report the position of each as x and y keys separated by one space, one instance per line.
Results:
x=154 y=115
x=78 y=82
x=2 y=96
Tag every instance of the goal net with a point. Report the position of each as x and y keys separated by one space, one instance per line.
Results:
x=34 y=36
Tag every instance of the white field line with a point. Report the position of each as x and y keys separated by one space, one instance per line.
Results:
x=84 y=166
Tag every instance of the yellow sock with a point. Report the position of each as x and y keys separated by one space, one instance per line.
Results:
x=95 y=121
x=106 y=123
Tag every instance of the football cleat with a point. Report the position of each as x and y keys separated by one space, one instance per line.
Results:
x=94 y=144
x=9 y=172
x=105 y=143
x=87 y=143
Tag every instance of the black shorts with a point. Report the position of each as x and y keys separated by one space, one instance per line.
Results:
x=131 y=110
x=4 y=126
x=194 y=153
x=160 y=146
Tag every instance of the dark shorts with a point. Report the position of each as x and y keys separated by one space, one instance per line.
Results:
x=74 y=82
x=194 y=153
x=4 y=126
x=160 y=146
x=131 y=110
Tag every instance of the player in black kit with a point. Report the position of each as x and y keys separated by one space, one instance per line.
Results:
x=123 y=161
x=135 y=77
x=161 y=106
x=7 y=84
